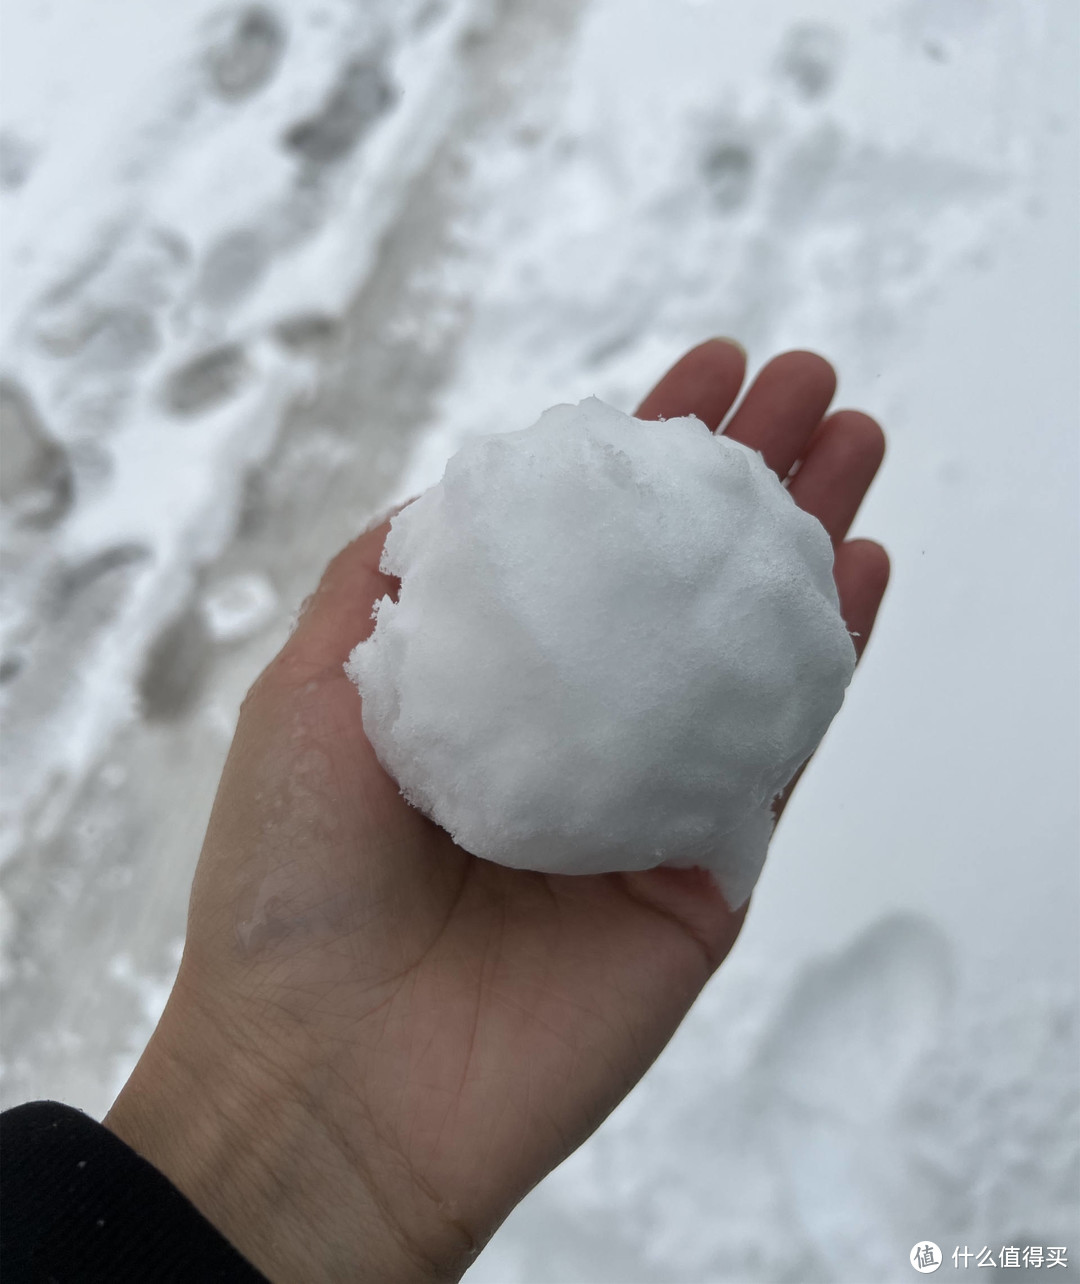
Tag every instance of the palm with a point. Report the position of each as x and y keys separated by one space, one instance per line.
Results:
x=487 y=1018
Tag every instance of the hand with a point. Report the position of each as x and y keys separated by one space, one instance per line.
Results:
x=377 y=1043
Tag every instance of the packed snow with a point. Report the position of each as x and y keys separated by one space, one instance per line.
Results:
x=613 y=644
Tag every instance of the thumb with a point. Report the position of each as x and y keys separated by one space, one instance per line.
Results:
x=338 y=614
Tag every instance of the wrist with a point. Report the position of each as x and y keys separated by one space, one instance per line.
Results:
x=246 y=1144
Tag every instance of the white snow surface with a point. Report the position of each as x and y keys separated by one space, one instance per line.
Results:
x=265 y=266
x=613 y=644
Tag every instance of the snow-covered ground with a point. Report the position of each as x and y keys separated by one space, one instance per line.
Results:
x=264 y=265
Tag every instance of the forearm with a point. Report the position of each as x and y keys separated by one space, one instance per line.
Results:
x=251 y=1151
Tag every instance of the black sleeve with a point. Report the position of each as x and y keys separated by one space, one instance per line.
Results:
x=77 y=1204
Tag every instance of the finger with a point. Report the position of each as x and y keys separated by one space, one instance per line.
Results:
x=338 y=614
x=861 y=571
x=705 y=383
x=843 y=455
x=783 y=406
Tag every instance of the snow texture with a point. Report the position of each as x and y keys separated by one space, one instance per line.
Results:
x=614 y=643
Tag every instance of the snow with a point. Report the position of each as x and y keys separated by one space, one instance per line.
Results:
x=560 y=198
x=613 y=644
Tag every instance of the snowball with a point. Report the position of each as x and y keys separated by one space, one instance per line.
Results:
x=614 y=643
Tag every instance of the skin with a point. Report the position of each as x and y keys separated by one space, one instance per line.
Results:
x=378 y=1043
